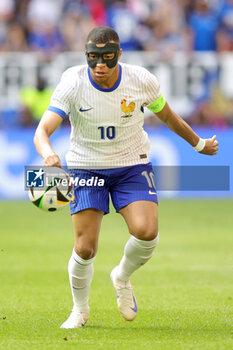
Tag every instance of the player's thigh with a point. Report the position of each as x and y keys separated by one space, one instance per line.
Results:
x=86 y=224
x=142 y=219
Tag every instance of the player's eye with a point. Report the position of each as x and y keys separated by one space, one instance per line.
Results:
x=93 y=56
x=109 y=56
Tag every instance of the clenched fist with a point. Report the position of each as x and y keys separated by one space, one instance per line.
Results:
x=211 y=146
x=52 y=160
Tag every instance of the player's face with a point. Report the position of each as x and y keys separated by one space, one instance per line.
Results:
x=101 y=74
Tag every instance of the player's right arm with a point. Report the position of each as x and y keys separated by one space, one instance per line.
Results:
x=48 y=124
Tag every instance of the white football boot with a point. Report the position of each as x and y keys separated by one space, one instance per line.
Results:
x=76 y=319
x=126 y=301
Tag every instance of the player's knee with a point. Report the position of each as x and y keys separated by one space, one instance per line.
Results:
x=85 y=250
x=145 y=231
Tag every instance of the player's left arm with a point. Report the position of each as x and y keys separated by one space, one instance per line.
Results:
x=181 y=128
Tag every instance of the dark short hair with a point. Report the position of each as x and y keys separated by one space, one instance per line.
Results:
x=102 y=35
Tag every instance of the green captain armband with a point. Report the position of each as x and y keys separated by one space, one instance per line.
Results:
x=158 y=105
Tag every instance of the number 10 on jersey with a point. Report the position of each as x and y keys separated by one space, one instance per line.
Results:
x=107 y=132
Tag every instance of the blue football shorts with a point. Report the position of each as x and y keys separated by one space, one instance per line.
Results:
x=92 y=188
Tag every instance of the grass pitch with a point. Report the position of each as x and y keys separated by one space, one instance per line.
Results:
x=184 y=293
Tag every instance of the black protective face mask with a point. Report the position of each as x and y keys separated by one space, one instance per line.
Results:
x=100 y=51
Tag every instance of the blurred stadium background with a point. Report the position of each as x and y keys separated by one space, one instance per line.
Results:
x=188 y=44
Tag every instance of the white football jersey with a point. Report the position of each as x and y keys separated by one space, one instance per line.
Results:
x=106 y=124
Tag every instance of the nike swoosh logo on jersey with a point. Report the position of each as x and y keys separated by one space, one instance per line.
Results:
x=150 y=192
x=85 y=109
x=135 y=308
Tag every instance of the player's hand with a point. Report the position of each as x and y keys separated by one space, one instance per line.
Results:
x=52 y=160
x=211 y=146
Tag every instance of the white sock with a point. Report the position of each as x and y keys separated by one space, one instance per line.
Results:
x=136 y=254
x=80 y=275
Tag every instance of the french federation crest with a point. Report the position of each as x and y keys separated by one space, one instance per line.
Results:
x=127 y=108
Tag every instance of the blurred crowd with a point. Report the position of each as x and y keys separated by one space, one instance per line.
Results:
x=165 y=26
x=52 y=26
